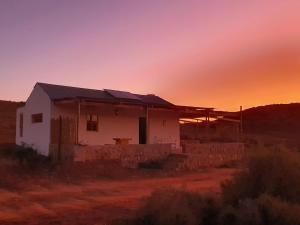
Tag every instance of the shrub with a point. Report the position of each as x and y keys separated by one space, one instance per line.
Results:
x=267 y=192
x=176 y=207
x=171 y=207
x=275 y=173
x=265 y=210
x=151 y=165
x=26 y=156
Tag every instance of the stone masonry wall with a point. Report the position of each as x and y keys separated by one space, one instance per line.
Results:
x=129 y=155
x=197 y=156
x=210 y=155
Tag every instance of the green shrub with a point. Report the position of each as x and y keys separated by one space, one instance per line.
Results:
x=275 y=173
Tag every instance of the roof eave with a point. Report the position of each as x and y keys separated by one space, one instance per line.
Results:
x=114 y=102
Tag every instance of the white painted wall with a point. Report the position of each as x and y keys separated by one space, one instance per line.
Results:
x=163 y=133
x=110 y=125
x=36 y=135
x=123 y=125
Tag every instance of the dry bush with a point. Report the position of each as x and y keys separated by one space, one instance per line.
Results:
x=267 y=192
x=176 y=207
x=8 y=171
x=21 y=167
x=170 y=207
x=275 y=173
x=18 y=165
x=265 y=210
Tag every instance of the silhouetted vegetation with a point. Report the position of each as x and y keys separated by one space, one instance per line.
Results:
x=26 y=156
x=265 y=193
x=274 y=173
x=151 y=165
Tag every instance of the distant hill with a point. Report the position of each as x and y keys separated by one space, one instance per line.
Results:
x=8 y=121
x=281 y=120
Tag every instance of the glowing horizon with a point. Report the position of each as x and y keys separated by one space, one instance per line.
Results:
x=220 y=54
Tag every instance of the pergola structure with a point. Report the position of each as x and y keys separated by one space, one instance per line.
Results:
x=193 y=114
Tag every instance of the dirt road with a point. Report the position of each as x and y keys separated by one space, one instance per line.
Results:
x=94 y=202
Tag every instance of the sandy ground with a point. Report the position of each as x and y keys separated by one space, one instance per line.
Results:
x=95 y=202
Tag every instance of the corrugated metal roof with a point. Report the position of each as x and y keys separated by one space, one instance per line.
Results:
x=60 y=92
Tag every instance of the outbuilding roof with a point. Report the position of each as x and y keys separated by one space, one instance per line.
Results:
x=60 y=92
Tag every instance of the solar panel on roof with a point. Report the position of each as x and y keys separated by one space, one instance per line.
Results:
x=122 y=94
x=59 y=92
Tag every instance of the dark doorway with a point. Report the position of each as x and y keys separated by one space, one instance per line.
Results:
x=142 y=130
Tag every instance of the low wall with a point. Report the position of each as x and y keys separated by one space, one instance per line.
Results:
x=211 y=155
x=129 y=155
x=196 y=155
x=199 y=148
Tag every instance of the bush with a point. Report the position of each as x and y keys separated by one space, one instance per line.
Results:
x=268 y=172
x=265 y=210
x=176 y=207
x=171 y=207
x=26 y=156
x=267 y=192
x=151 y=165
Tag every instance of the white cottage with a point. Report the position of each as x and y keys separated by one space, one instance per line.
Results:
x=99 y=117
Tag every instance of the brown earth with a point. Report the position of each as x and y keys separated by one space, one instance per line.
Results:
x=94 y=201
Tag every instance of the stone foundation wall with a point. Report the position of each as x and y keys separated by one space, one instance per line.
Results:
x=211 y=155
x=200 y=148
x=196 y=156
x=129 y=155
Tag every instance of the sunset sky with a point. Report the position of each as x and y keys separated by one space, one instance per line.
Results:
x=217 y=53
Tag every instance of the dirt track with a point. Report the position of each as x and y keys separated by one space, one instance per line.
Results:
x=94 y=202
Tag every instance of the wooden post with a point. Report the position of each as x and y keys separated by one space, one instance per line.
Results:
x=198 y=130
x=208 y=117
x=207 y=124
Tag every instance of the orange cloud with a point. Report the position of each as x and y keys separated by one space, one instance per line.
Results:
x=271 y=75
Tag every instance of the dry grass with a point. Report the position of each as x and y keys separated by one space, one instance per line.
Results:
x=96 y=199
